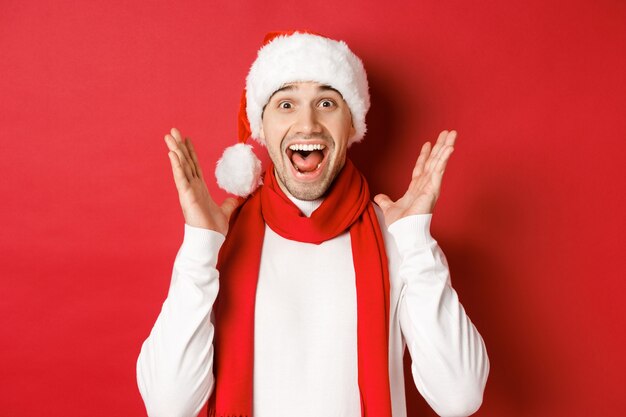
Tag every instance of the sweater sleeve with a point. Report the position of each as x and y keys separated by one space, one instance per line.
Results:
x=175 y=365
x=449 y=361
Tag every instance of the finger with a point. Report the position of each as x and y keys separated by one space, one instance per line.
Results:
x=192 y=165
x=176 y=134
x=229 y=205
x=435 y=153
x=383 y=201
x=421 y=160
x=440 y=141
x=440 y=168
x=182 y=143
x=170 y=142
x=194 y=157
x=443 y=160
x=451 y=139
x=179 y=175
x=173 y=145
x=437 y=175
x=435 y=149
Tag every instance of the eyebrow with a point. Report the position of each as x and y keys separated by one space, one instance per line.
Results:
x=323 y=87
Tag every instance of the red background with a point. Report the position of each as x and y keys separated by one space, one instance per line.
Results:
x=531 y=215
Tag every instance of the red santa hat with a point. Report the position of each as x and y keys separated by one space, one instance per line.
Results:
x=287 y=57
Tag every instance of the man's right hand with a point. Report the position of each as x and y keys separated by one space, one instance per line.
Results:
x=199 y=209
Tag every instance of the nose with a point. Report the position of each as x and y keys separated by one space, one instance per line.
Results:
x=307 y=121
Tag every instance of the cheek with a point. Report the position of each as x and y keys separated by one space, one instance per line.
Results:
x=274 y=129
x=346 y=132
x=344 y=123
x=273 y=140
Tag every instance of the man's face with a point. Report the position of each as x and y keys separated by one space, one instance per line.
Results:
x=306 y=127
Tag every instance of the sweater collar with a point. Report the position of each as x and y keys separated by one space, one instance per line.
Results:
x=306 y=207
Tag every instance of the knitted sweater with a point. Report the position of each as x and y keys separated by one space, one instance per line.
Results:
x=305 y=341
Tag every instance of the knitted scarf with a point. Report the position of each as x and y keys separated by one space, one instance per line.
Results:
x=346 y=207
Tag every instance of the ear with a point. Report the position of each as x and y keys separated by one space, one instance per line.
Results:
x=262 y=133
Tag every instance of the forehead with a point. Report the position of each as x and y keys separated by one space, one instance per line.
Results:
x=305 y=85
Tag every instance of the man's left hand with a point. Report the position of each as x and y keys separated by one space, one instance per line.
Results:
x=425 y=184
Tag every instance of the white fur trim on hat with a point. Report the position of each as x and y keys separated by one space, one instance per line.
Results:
x=239 y=170
x=306 y=57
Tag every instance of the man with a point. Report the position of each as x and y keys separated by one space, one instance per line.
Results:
x=319 y=291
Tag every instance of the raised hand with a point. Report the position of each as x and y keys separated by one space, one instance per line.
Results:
x=199 y=209
x=425 y=184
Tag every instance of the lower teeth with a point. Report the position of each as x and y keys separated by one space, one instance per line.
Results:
x=316 y=168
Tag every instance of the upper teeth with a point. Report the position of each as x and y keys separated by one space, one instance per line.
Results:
x=310 y=147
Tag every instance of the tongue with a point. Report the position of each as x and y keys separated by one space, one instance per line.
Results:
x=307 y=163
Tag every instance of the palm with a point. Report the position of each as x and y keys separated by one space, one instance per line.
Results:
x=199 y=209
x=425 y=186
x=197 y=203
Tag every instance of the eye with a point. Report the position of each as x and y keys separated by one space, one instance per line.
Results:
x=327 y=103
x=284 y=105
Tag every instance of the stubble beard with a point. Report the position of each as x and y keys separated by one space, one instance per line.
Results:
x=309 y=191
x=306 y=191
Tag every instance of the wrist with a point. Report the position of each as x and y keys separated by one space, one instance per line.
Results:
x=203 y=222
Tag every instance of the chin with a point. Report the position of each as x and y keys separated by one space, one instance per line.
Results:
x=307 y=167
x=308 y=192
x=307 y=189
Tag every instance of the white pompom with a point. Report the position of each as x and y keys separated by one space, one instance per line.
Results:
x=239 y=170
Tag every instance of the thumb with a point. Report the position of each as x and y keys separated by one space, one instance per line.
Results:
x=229 y=205
x=383 y=201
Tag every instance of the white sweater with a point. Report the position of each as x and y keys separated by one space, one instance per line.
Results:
x=305 y=352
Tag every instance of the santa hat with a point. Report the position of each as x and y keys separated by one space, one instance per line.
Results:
x=287 y=57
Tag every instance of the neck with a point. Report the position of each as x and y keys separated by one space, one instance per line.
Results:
x=307 y=207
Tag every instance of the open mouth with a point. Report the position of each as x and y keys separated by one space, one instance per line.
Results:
x=307 y=159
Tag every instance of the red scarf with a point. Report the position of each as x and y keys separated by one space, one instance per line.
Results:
x=346 y=207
